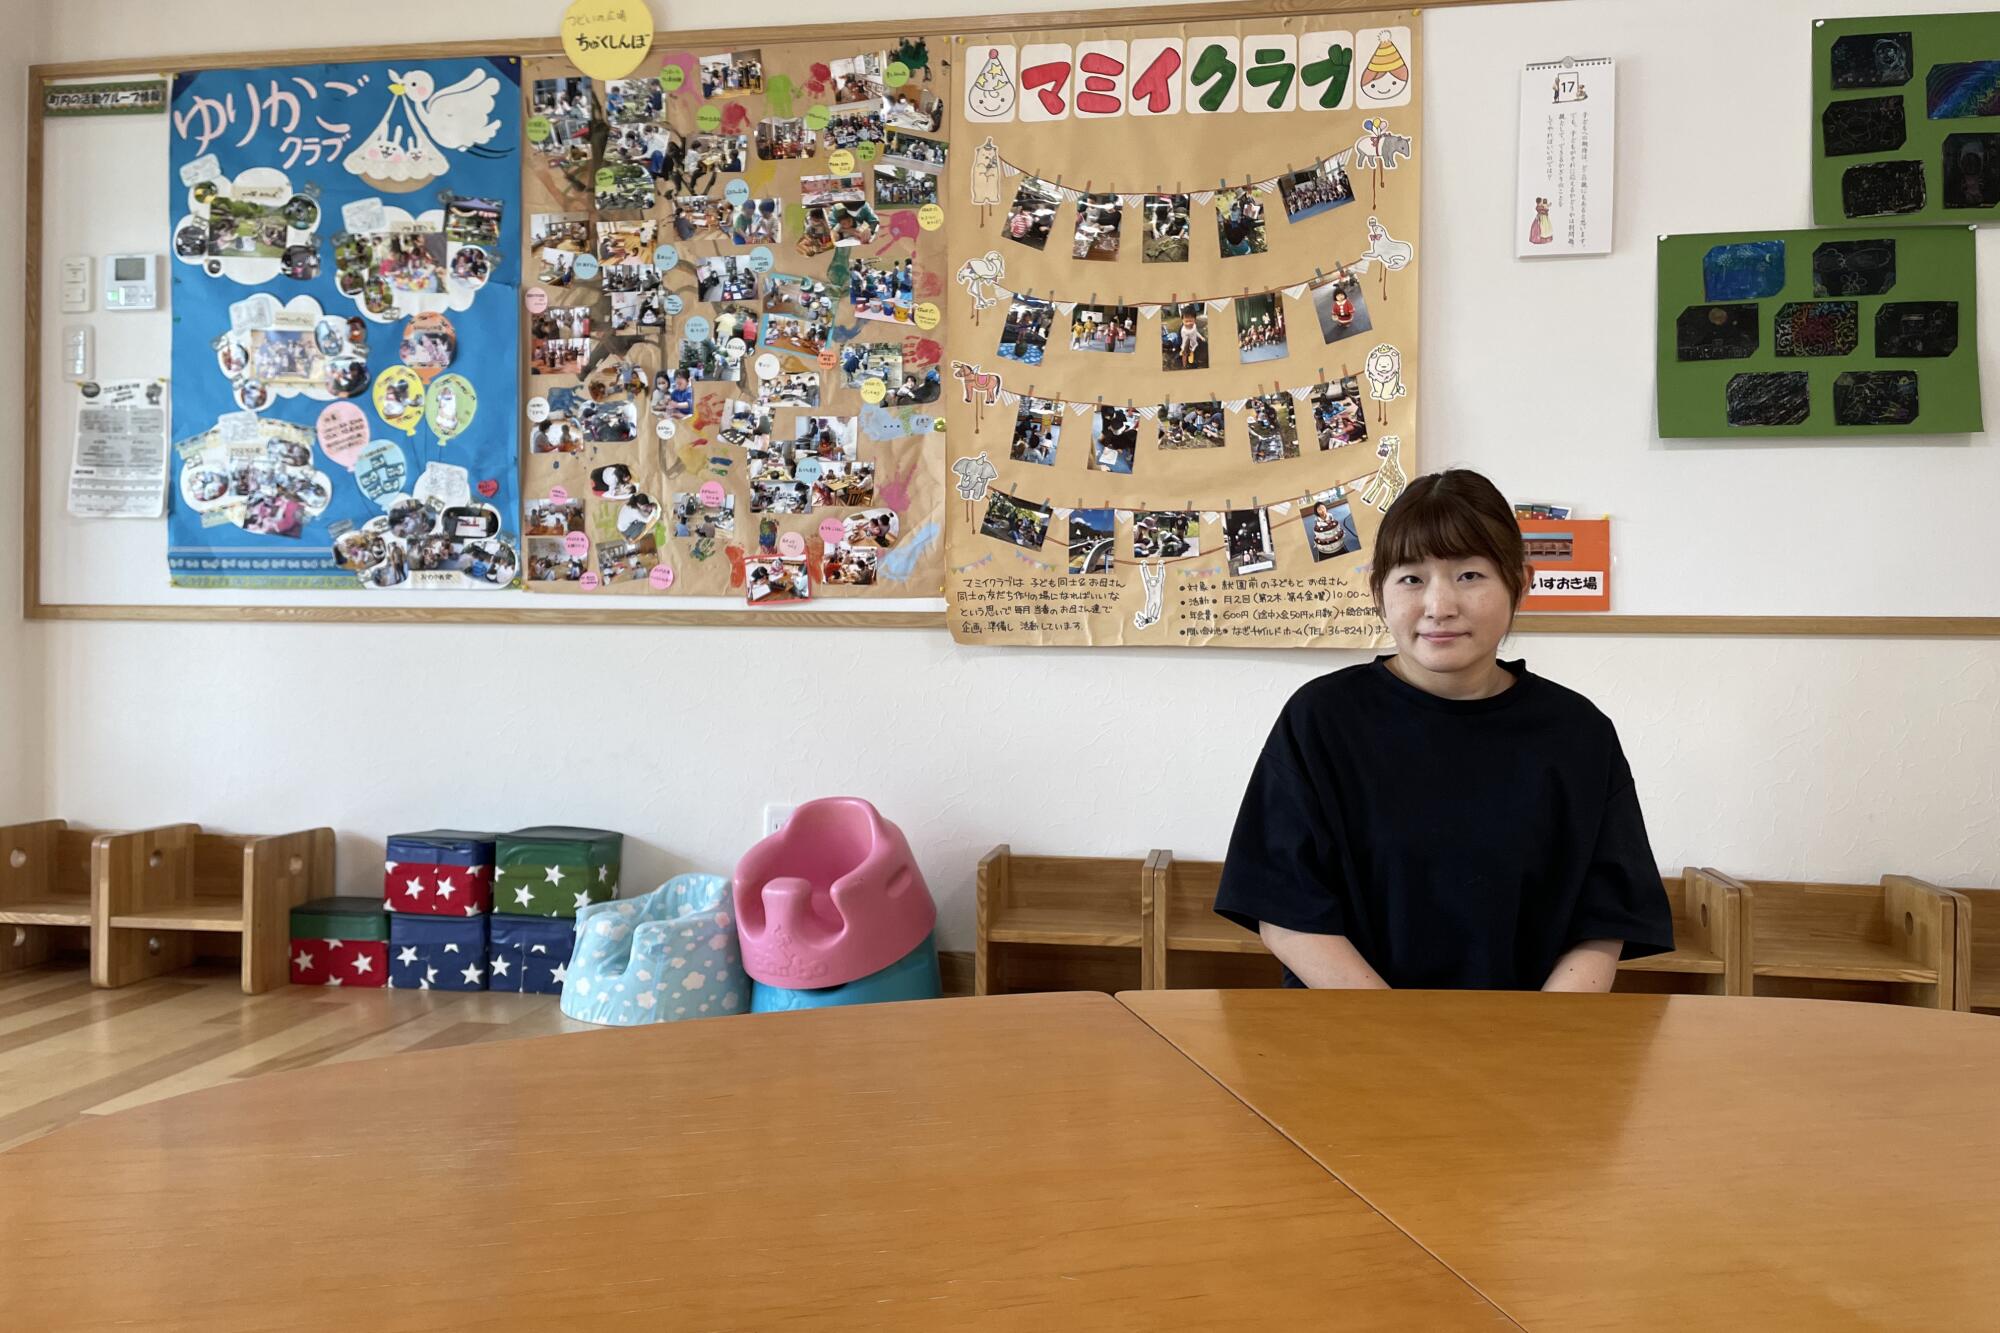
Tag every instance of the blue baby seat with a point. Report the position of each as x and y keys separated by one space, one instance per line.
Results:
x=666 y=955
x=914 y=976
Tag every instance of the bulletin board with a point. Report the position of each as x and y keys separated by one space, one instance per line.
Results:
x=732 y=259
x=339 y=316
x=1185 y=352
x=1536 y=370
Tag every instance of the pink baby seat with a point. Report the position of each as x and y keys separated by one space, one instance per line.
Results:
x=830 y=898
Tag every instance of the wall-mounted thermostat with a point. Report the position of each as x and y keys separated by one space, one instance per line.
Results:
x=131 y=282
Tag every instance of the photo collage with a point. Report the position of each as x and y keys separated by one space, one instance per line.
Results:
x=1182 y=354
x=735 y=280
x=298 y=466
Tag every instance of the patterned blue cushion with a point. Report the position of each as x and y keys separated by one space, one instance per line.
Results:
x=667 y=955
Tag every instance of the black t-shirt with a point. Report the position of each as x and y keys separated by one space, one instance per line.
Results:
x=1456 y=843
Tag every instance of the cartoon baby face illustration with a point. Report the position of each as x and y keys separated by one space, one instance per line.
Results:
x=1388 y=74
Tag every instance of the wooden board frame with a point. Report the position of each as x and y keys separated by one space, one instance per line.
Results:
x=34 y=608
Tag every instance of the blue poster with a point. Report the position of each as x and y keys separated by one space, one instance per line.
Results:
x=346 y=345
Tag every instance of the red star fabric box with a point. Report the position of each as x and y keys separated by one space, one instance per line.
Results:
x=340 y=942
x=445 y=872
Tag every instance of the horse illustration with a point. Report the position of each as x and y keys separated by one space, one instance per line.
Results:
x=980 y=387
x=974 y=380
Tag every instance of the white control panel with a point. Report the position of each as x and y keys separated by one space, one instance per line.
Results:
x=76 y=284
x=131 y=282
x=79 y=352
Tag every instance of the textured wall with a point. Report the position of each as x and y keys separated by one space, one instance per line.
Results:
x=21 y=733
x=1824 y=759
x=1758 y=757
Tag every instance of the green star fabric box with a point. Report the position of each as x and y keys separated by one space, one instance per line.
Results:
x=553 y=871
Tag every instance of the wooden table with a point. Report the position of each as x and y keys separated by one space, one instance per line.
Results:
x=1047 y=1162
x=1630 y=1161
x=1036 y=1161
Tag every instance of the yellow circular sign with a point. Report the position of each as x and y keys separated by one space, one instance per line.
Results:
x=607 y=39
x=873 y=390
x=930 y=217
x=840 y=161
x=926 y=314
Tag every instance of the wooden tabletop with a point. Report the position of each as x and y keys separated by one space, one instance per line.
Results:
x=1039 y=1162
x=1631 y=1161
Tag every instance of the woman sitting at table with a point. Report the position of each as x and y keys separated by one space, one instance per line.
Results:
x=1439 y=818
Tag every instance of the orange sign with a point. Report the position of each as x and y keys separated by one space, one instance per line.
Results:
x=1572 y=560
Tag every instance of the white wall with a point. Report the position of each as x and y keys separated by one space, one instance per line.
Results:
x=1826 y=759
x=22 y=771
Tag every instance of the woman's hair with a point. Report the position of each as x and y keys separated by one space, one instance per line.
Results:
x=1450 y=515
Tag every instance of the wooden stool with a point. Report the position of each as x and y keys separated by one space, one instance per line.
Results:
x=1060 y=922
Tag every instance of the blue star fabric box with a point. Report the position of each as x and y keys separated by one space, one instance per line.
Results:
x=437 y=952
x=443 y=847
x=530 y=953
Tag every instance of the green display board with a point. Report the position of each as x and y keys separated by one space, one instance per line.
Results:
x=1906 y=119
x=1863 y=331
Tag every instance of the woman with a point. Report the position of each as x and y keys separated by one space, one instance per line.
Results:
x=1439 y=818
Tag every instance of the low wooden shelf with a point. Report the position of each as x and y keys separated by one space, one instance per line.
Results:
x=1982 y=925
x=1082 y=923
x=146 y=902
x=1060 y=922
x=167 y=892
x=1711 y=954
x=47 y=869
x=1188 y=945
x=1899 y=940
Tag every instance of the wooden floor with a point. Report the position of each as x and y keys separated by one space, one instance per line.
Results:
x=68 y=1050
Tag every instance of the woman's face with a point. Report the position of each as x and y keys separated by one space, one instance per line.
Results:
x=1447 y=616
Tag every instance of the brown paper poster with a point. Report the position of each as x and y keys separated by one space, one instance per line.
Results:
x=735 y=280
x=1182 y=363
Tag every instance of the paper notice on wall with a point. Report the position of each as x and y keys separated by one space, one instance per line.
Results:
x=1568 y=147
x=120 y=467
x=1572 y=562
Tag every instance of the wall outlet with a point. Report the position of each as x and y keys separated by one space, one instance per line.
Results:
x=775 y=817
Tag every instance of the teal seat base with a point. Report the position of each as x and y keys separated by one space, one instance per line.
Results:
x=914 y=976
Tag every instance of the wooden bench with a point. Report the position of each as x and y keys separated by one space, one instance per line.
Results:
x=1069 y=923
x=144 y=903
x=1711 y=953
x=1061 y=922
x=1898 y=940
x=1982 y=985
x=170 y=893
x=46 y=872
x=1188 y=945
